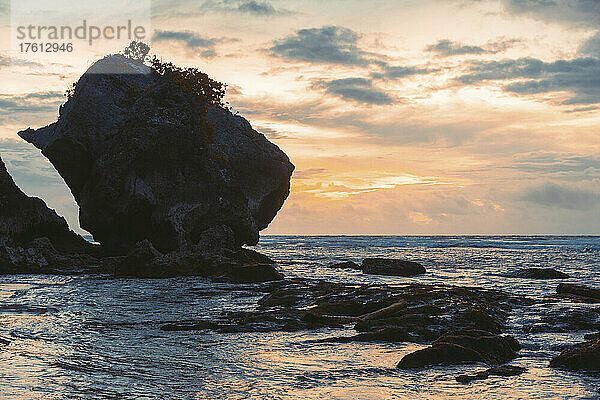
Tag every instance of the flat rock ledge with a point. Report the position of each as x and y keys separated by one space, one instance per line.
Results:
x=392 y=267
x=503 y=370
x=538 y=273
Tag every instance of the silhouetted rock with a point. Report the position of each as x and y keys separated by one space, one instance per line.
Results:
x=579 y=293
x=386 y=266
x=464 y=346
x=24 y=218
x=33 y=238
x=580 y=357
x=503 y=370
x=142 y=163
x=222 y=264
x=539 y=273
x=345 y=264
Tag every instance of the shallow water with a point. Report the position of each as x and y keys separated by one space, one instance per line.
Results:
x=99 y=338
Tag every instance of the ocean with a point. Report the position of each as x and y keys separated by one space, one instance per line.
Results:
x=95 y=337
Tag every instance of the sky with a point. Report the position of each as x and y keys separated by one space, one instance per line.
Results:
x=401 y=117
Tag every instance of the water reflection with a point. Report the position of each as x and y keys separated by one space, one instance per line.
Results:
x=91 y=337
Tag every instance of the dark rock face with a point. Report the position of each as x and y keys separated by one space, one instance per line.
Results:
x=385 y=266
x=33 y=237
x=503 y=370
x=24 y=218
x=539 y=273
x=464 y=346
x=580 y=357
x=142 y=163
x=579 y=293
x=345 y=264
x=222 y=264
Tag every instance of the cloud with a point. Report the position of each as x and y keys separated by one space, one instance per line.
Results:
x=359 y=90
x=578 y=76
x=6 y=61
x=259 y=8
x=326 y=45
x=308 y=173
x=21 y=107
x=574 y=167
x=560 y=196
x=574 y=12
x=395 y=128
x=397 y=72
x=190 y=40
x=591 y=47
x=447 y=48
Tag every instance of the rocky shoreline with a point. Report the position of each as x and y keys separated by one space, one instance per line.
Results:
x=166 y=196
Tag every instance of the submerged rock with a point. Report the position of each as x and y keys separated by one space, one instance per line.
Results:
x=580 y=357
x=579 y=293
x=142 y=163
x=464 y=346
x=345 y=264
x=539 y=273
x=503 y=370
x=394 y=267
x=565 y=319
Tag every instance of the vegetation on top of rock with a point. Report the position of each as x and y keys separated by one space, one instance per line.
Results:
x=207 y=92
x=137 y=51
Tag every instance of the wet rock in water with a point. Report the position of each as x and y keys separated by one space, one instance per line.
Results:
x=578 y=293
x=221 y=264
x=393 y=267
x=393 y=335
x=592 y=336
x=385 y=311
x=143 y=163
x=398 y=313
x=503 y=370
x=539 y=273
x=345 y=264
x=464 y=346
x=565 y=319
x=580 y=357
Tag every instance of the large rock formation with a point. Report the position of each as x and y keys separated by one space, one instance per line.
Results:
x=142 y=163
x=23 y=221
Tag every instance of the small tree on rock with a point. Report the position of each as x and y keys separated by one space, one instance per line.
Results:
x=137 y=51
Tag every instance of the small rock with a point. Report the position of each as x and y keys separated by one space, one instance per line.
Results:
x=580 y=357
x=539 y=273
x=345 y=264
x=253 y=273
x=579 y=292
x=468 y=345
x=384 y=312
x=392 y=267
x=504 y=370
